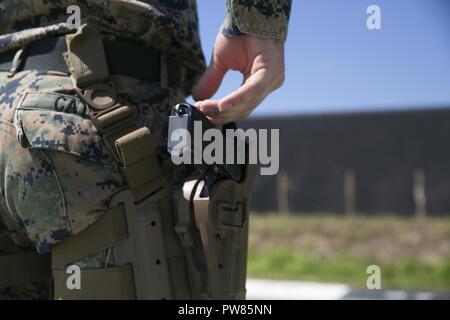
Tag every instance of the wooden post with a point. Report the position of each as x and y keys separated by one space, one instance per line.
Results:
x=419 y=195
x=349 y=192
x=283 y=192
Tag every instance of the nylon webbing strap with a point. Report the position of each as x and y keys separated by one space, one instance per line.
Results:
x=107 y=284
x=132 y=147
x=22 y=268
x=140 y=167
x=101 y=235
x=85 y=56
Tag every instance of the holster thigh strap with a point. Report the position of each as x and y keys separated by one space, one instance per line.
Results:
x=105 y=283
x=106 y=232
x=109 y=284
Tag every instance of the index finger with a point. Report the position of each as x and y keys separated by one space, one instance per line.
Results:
x=249 y=95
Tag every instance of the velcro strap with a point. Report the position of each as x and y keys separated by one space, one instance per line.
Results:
x=141 y=172
x=22 y=268
x=140 y=167
x=109 y=230
x=115 y=117
x=115 y=283
x=135 y=146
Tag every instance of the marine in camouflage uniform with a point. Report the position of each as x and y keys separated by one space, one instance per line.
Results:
x=58 y=176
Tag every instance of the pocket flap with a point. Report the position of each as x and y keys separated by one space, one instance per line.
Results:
x=59 y=122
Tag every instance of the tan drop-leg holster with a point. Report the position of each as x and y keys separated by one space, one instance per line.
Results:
x=214 y=230
x=168 y=242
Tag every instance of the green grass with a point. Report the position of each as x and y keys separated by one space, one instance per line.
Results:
x=412 y=254
x=407 y=274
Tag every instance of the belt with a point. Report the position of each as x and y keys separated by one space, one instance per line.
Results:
x=125 y=58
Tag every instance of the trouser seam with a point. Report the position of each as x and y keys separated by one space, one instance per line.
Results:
x=61 y=192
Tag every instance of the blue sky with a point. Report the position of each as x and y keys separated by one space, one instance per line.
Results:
x=335 y=64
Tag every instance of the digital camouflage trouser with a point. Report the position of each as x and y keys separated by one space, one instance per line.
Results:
x=80 y=178
x=62 y=192
x=58 y=176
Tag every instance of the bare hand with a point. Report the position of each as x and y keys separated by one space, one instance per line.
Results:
x=261 y=62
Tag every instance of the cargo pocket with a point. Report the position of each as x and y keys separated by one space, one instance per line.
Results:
x=59 y=122
x=56 y=129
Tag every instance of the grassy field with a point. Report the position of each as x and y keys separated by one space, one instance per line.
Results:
x=412 y=254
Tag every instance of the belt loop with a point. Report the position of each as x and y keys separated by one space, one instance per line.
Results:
x=18 y=61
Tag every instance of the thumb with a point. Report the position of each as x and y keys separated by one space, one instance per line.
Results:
x=210 y=81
